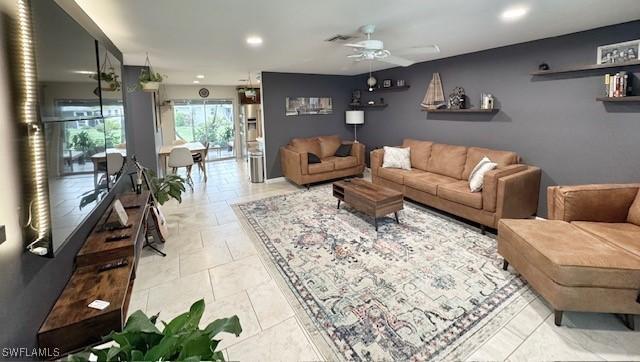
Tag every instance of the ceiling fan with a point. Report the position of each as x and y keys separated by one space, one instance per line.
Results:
x=371 y=49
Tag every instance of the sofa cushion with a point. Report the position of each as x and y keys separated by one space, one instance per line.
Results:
x=459 y=192
x=447 y=160
x=569 y=255
x=397 y=157
x=398 y=175
x=427 y=182
x=324 y=166
x=420 y=152
x=634 y=211
x=343 y=162
x=344 y=150
x=302 y=145
x=329 y=145
x=475 y=154
x=623 y=235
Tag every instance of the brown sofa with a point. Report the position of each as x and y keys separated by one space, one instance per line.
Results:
x=439 y=174
x=294 y=157
x=586 y=258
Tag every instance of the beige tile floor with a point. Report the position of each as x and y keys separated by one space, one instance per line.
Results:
x=210 y=257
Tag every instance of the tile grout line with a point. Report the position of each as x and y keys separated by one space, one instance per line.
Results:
x=529 y=336
x=254 y=310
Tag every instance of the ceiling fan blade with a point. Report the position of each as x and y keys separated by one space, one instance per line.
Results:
x=396 y=60
x=357 y=55
x=354 y=45
x=427 y=49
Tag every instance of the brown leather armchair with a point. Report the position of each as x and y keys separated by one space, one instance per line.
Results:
x=295 y=166
x=586 y=257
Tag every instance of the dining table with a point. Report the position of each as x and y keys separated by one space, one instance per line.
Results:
x=194 y=147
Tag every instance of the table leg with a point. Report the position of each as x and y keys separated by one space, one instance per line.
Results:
x=338 y=204
x=375 y=222
x=397 y=221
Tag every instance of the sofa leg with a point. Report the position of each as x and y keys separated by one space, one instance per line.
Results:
x=308 y=186
x=505 y=264
x=483 y=230
x=629 y=321
x=557 y=317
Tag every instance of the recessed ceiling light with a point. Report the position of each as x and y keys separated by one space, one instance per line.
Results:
x=200 y=76
x=254 y=40
x=514 y=13
x=196 y=81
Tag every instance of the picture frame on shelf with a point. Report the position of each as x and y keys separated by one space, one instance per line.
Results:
x=619 y=53
x=387 y=83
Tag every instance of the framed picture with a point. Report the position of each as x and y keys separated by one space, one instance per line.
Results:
x=619 y=52
x=387 y=83
x=295 y=106
x=123 y=218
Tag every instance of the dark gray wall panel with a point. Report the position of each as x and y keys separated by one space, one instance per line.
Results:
x=279 y=129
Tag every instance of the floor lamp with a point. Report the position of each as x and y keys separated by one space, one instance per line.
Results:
x=355 y=118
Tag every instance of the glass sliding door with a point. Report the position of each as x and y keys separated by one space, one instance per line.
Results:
x=209 y=121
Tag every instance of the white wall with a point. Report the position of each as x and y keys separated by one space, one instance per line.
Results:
x=180 y=92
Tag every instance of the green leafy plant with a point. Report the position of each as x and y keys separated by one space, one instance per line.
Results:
x=180 y=340
x=166 y=188
x=83 y=142
x=148 y=75
x=110 y=80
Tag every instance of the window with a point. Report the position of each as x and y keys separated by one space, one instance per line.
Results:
x=209 y=121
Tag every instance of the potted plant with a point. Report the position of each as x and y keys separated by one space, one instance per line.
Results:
x=180 y=340
x=83 y=143
x=149 y=80
x=108 y=80
x=168 y=187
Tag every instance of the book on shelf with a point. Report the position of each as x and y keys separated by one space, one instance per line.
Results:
x=617 y=85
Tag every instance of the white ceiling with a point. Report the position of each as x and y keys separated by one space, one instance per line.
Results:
x=190 y=37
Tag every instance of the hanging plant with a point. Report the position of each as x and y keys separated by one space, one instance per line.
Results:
x=108 y=78
x=149 y=80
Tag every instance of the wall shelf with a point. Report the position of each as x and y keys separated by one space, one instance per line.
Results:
x=619 y=99
x=377 y=105
x=587 y=68
x=466 y=110
x=388 y=89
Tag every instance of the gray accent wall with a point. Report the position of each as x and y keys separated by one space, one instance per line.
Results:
x=279 y=129
x=554 y=123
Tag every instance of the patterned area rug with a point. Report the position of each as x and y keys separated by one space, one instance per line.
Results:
x=428 y=288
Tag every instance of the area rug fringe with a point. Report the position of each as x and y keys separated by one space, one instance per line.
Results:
x=324 y=347
x=460 y=350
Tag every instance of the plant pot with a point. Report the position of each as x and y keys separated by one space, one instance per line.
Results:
x=150 y=86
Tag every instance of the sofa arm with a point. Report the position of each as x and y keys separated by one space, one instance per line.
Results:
x=376 y=157
x=293 y=164
x=600 y=203
x=490 y=184
x=517 y=196
x=357 y=150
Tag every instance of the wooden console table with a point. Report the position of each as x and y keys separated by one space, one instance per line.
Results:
x=71 y=324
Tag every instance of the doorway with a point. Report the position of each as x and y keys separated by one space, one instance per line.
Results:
x=207 y=121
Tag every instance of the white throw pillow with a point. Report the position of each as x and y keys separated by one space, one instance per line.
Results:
x=396 y=157
x=476 y=177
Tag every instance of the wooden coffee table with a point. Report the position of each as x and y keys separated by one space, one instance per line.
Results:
x=373 y=200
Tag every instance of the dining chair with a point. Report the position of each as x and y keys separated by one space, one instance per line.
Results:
x=199 y=159
x=181 y=157
x=115 y=162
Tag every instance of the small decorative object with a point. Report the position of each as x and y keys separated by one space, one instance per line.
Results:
x=400 y=83
x=371 y=82
x=381 y=100
x=371 y=103
x=387 y=83
x=619 y=52
x=355 y=97
x=543 y=66
x=295 y=106
x=434 y=98
x=203 y=92
x=486 y=101
x=457 y=98
x=123 y=218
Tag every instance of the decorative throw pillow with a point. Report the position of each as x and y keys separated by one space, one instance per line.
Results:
x=476 y=177
x=634 y=211
x=312 y=158
x=397 y=157
x=344 y=150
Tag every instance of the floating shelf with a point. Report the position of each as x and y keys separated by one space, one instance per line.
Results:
x=619 y=99
x=466 y=110
x=377 y=105
x=388 y=89
x=587 y=68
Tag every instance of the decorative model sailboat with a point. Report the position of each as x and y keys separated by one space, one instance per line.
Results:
x=434 y=98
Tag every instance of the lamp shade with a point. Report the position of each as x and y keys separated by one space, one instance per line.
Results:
x=355 y=117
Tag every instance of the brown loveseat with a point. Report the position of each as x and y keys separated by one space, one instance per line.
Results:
x=294 y=157
x=587 y=256
x=439 y=174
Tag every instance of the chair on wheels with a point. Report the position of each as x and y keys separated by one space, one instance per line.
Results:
x=199 y=159
x=181 y=157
